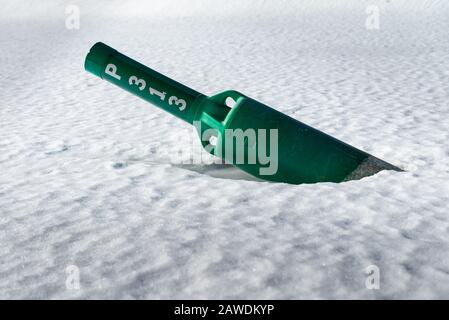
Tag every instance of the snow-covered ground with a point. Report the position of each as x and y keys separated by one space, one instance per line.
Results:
x=87 y=184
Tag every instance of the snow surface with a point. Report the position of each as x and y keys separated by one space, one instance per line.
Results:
x=87 y=178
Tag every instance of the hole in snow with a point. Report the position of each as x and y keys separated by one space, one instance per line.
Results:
x=119 y=165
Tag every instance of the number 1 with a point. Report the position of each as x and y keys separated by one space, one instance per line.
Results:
x=155 y=92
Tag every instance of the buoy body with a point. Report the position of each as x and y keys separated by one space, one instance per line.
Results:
x=249 y=135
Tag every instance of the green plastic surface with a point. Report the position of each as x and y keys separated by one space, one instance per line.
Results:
x=303 y=154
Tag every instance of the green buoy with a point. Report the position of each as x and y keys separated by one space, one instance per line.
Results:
x=250 y=135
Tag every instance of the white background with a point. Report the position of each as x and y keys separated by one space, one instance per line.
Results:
x=86 y=180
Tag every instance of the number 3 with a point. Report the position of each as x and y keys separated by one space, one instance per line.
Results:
x=181 y=103
x=139 y=82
